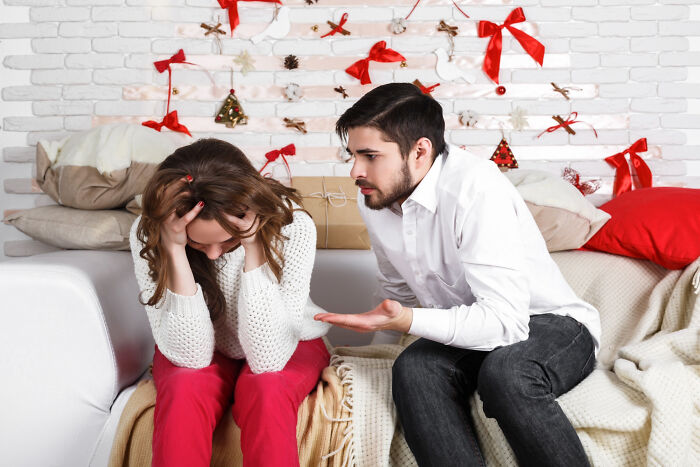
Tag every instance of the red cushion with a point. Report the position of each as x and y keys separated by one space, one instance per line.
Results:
x=661 y=224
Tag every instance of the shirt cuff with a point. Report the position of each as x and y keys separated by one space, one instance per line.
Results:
x=432 y=324
x=185 y=304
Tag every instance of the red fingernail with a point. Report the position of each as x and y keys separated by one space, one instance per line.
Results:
x=200 y=204
x=188 y=177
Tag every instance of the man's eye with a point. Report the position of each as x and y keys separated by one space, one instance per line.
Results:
x=371 y=156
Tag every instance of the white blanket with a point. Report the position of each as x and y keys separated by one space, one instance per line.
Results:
x=640 y=407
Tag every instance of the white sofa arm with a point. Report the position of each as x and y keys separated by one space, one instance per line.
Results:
x=73 y=335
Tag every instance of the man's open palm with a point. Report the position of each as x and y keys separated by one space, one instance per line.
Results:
x=388 y=315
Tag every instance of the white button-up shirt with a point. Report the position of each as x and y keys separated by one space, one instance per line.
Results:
x=464 y=251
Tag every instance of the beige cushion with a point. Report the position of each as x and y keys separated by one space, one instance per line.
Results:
x=75 y=229
x=102 y=168
x=565 y=217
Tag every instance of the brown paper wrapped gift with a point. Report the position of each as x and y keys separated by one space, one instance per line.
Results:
x=332 y=203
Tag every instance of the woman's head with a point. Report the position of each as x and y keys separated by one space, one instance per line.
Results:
x=221 y=176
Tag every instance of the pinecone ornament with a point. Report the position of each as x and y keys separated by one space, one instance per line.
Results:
x=291 y=62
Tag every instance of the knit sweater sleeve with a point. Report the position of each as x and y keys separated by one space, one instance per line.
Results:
x=181 y=325
x=271 y=312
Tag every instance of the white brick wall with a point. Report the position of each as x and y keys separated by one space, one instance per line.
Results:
x=71 y=64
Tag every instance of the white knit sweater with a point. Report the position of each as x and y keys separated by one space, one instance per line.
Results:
x=264 y=319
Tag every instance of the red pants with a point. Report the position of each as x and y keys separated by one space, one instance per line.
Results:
x=190 y=402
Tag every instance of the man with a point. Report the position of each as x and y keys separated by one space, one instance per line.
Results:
x=463 y=266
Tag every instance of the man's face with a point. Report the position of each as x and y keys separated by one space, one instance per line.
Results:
x=383 y=176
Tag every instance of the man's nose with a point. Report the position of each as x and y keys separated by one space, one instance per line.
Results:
x=358 y=169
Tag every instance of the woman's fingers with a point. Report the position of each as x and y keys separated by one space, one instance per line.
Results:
x=192 y=214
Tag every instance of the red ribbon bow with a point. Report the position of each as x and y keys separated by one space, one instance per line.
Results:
x=429 y=89
x=492 y=60
x=232 y=6
x=569 y=120
x=338 y=28
x=288 y=150
x=163 y=65
x=623 y=177
x=378 y=53
x=169 y=121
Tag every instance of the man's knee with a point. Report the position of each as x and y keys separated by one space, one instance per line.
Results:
x=508 y=380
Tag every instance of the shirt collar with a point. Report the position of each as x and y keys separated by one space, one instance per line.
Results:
x=425 y=193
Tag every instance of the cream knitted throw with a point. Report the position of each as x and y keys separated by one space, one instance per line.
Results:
x=640 y=407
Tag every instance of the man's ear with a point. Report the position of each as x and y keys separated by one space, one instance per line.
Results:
x=424 y=152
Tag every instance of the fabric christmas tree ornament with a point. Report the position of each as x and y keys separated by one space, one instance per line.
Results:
x=231 y=112
x=503 y=156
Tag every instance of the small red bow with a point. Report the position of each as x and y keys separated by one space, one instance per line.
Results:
x=623 y=177
x=429 y=89
x=288 y=150
x=338 y=28
x=163 y=65
x=169 y=121
x=232 y=6
x=569 y=120
x=492 y=60
x=378 y=53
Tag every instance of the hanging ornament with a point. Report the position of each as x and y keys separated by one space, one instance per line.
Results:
x=314 y=28
x=398 y=26
x=565 y=90
x=291 y=62
x=623 y=176
x=297 y=124
x=425 y=90
x=216 y=32
x=518 y=119
x=565 y=124
x=586 y=188
x=337 y=28
x=170 y=120
x=449 y=71
x=176 y=91
x=342 y=91
x=293 y=92
x=272 y=156
x=492 y=60
x=503 y=156
x=378 y=53
x=403 y=64
x=231 y=113
x=468 y=118
x=278 y=28
x=232 y=7
x=245 y=61
x=311 y=2
x=500 y=90
x=451 y=33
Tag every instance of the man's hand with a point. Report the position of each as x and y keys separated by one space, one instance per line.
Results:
x=388 y=315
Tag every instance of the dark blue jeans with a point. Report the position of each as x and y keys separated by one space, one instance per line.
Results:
x=518 y=385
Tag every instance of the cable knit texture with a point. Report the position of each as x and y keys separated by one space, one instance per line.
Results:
x=264 y=318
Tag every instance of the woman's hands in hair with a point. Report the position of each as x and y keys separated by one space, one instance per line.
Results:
x=246 y=224
x=174 y=230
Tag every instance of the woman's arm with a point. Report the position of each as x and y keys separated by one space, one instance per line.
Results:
x=180 y=322
x=270 y=311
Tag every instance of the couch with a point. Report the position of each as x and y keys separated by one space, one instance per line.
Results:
x=75 y=340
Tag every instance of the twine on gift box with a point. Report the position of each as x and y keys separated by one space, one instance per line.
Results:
x=331 y=199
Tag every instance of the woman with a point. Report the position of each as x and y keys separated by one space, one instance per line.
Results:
x=223 y=258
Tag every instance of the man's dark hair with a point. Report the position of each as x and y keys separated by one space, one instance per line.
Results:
x=402 y=113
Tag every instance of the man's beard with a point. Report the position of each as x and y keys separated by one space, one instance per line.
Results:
x=402 y=189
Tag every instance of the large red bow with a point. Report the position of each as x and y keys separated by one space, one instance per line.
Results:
x=163 y=65
x=232 y=6
x=378 y=53
x=288 y=150
x=623 y=177
x=169 y=121
x=492 y=60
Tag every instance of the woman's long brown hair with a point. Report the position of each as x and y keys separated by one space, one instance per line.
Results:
x=224 y=178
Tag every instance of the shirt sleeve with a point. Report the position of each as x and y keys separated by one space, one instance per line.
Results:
x=271 y=312
x=492 y=256
x=181 y=325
